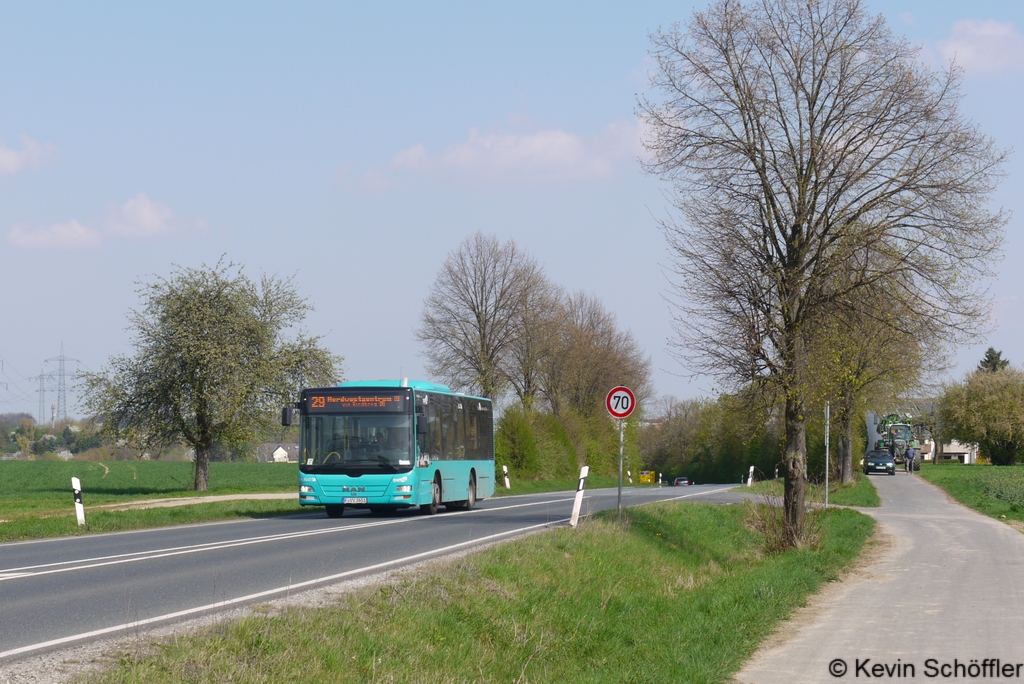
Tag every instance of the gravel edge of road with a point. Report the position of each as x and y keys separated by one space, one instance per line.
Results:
x=66 y=665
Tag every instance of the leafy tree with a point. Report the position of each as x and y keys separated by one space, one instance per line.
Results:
x=804 y=139
x=993 y=361
x=215 y=358
x=986 y=409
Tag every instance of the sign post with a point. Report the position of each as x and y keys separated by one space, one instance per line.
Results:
x=620 y=402
x=828 y=406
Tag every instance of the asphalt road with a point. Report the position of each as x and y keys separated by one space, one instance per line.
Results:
x=943 y=601
x=61 y=592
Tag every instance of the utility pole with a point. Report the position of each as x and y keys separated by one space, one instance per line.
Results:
x=62 y=394
x=41 y=416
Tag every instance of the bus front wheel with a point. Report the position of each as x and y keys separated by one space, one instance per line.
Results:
x=435 y=499
x=334 y=510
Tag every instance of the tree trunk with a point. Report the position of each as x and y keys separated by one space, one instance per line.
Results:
x=844 y=438
x=202 y=468
x=795 y=458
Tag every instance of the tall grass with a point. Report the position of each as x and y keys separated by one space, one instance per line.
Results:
x=677 y=593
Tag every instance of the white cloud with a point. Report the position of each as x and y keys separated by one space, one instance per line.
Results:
x=140 y=217
x=68 y=235
x=550 y=155
x=984 y=46
x=31 y=156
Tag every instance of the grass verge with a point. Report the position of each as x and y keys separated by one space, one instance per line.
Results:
x=677 y=593
x=860 y=492
x=996 y=491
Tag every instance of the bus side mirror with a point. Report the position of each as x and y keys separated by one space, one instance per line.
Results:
x=287 y=416
x=421 y=427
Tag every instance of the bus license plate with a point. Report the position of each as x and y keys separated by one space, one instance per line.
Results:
x=354 y=500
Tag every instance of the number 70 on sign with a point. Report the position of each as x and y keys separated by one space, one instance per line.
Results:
x=620 y=402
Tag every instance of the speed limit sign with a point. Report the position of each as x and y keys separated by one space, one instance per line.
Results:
x=620 y=402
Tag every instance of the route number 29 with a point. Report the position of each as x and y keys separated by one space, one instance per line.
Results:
x=319 y=402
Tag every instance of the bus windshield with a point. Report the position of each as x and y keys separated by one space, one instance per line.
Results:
x=356 y=444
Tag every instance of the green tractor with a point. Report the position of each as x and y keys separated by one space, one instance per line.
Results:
x=897 y=436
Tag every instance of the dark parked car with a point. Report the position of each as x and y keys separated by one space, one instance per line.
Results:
x=680 y=482
x=878 y=461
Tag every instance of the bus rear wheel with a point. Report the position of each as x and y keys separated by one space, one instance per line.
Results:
x=470 y=502
x=334 y=510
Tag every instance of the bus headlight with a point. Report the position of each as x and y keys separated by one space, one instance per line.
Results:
x=403 y=488
x=305 y=489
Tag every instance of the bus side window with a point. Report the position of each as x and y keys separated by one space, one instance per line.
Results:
x=460 y=429
x=434 y=427
x=448 y=427
x=485 y=432
x=472 y=441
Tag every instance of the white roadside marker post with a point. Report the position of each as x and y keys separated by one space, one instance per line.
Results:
x=76 y=487
x=630 y=476
x=508 y=485
x=579 y=496
x=750 y=478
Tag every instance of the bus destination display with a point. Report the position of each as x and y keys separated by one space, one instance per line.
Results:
x=356 y=401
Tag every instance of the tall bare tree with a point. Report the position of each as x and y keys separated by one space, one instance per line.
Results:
x=589 y=356
x=536 y=327
x=803 y=138
x=472 y=315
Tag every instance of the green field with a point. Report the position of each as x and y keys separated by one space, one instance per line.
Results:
x=858 y=493
x=997 y=491
x=679 y=593
x=36 y=499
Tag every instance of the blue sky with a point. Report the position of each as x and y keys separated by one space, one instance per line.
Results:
x=353 y=145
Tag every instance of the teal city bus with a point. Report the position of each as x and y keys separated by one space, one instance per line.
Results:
x=386 y=445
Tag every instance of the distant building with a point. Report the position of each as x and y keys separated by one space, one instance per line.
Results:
x=277 y=452
x=955 y=451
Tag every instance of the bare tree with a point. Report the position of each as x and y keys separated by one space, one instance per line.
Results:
x=536 y=325
x=804 y=139
x=590 y=355
x=471 y=317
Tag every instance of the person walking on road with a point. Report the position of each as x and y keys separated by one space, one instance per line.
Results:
x=908 y=460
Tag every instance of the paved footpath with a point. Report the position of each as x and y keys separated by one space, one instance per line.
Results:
x=943 y=602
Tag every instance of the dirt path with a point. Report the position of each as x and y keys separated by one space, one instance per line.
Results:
x=188 y=501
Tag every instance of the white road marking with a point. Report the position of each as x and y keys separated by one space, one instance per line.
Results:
x=88 y=563
x=270 y=592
